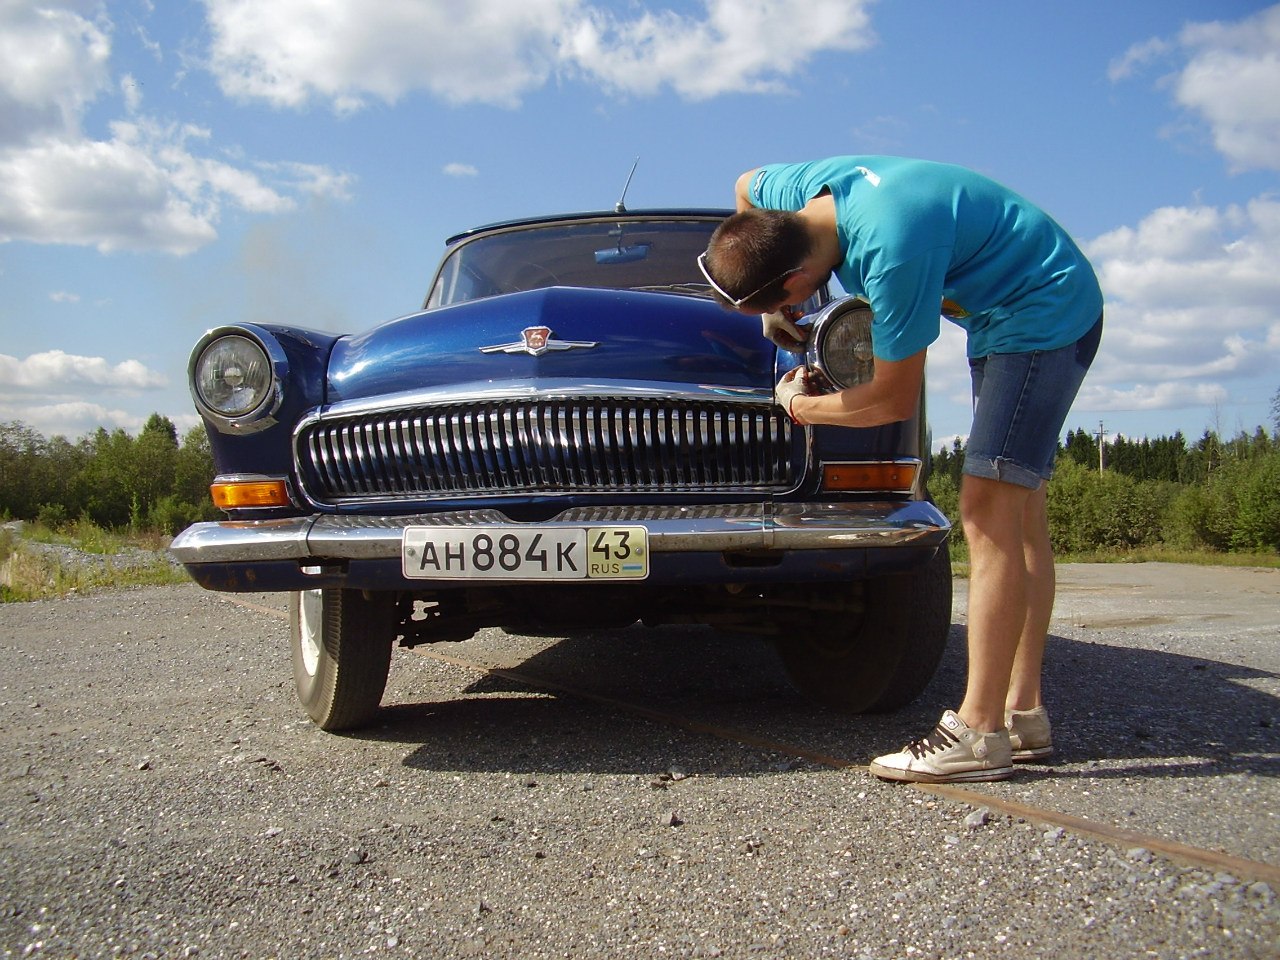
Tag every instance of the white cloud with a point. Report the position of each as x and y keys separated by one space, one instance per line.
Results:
x=309 y=178
x=73 y=418
x=1197 y=257
x=1136 y=57
x=344 y=51
x=63 y=394
x=53 y=62
x=64 y=296
x=53 y=371
x=1229 y=79
x=146 y=187
x=290 y=52
x=1232 y=81
x=735 y=49
x=1191 y=294
x=1159 y=396
x=131 y=90
x=460 y=170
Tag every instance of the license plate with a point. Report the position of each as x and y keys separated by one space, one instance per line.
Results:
x=506 y=553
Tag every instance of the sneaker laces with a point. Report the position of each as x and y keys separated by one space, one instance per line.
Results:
x=939 y=739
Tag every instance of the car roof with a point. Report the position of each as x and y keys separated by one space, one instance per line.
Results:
x=695 y=212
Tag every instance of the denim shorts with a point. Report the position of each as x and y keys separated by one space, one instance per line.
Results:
x=1020 y=403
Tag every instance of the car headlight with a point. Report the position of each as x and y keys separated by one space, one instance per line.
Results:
x=235 y=379
x=839 y=344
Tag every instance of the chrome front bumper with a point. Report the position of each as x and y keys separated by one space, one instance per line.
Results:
x=720 y=528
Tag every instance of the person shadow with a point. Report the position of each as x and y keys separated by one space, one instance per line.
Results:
x=639 y=699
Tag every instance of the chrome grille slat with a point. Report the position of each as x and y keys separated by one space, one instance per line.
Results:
x=496 y=448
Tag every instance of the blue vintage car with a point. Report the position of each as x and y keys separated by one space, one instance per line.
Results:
x=569 y=434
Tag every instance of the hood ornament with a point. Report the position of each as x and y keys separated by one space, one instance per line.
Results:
x=535 y=341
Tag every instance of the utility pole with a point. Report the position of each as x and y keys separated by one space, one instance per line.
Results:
x=1101 y=439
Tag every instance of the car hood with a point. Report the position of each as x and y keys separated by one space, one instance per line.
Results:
x=594 y=335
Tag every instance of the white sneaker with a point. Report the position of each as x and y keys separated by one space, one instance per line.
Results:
x=953 y=753
x=1029 y=734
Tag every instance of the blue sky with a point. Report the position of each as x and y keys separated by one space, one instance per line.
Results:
x=166 y=167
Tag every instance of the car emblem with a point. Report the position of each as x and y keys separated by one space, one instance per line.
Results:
x=536 y=341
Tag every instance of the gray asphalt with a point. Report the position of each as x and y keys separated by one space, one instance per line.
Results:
x=163 y=795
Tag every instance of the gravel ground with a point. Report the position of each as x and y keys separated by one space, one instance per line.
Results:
x=162 y=795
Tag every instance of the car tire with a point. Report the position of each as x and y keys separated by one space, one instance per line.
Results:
x=341 y=642
x=887 y=658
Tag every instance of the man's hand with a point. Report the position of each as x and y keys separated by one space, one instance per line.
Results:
x=781 y=329
x=795 y=383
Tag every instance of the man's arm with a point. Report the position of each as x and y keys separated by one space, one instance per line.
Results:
x=742 y=191
x=890 y=396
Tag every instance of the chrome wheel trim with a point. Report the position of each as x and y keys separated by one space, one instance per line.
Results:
x=310 y=626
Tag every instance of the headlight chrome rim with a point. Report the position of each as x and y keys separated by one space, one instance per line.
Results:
x=256 y=410
x=839 y=362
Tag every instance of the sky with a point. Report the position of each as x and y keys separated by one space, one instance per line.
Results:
x=168 y=167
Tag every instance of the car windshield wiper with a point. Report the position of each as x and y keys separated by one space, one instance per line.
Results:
x=693 y=289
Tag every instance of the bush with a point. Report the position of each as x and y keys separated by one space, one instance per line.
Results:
x=946 y=495
x=1201 y=518
x=1238 y=507
x=1089 y=510
x=1257 y=515
x=171 y=515
x=52 y=515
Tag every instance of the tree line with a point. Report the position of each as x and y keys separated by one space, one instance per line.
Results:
x=149 y=482
x=1213 y=493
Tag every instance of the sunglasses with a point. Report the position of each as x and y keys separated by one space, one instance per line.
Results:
x=737 y=302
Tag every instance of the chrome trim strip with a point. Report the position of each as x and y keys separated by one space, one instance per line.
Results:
x=723 y=527
x=551 y=388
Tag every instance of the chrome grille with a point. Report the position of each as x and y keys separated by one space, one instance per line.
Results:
x=626 y=445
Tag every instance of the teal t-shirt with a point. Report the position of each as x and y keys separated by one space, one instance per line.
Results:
x=923 y=240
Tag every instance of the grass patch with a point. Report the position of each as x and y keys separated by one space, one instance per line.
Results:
x=1159 y=554
x=86 y=536
x=41 y=563
x=1164 y=554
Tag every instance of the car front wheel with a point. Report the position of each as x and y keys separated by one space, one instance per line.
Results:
x=885 y=658
x=341 y=643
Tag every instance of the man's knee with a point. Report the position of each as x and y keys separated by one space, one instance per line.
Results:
x=990 y=506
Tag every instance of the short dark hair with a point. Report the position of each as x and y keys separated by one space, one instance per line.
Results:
x=751 y=248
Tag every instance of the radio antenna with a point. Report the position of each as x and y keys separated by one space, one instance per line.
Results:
x=621 y=206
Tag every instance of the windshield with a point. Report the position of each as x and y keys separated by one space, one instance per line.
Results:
x=622 y=254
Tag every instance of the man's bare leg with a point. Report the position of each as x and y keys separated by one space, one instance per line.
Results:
x=1024 y=684
x=1002 y=595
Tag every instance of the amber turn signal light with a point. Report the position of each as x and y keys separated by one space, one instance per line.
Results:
x=859 y=477
x=234 y=494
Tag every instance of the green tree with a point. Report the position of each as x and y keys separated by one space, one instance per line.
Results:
x=949 y=463
x=194 y=472
x=1081 y=448
x=1168 y=457
x=107 y=483
x=1204 y=457
x=66 y=462
x=23 y=470
x=154 y=463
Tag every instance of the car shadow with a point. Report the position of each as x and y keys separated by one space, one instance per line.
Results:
x=1147 y=713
